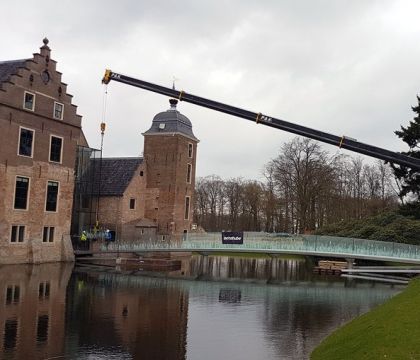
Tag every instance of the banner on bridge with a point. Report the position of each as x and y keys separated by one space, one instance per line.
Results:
x=230 y=237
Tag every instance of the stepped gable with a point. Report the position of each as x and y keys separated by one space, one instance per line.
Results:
x=111 y=176
x=37 y=75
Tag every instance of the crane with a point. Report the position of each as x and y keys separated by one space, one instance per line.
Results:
x=344 y=142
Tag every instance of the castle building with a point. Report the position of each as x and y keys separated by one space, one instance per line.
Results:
x=143 y=199
x=53 y=186
x=40 y=131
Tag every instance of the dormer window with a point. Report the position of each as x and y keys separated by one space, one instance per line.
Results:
x=162 y=126
x=58 y=110
x=29 y=101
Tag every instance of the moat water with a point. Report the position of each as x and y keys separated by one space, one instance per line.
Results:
x=211 y=308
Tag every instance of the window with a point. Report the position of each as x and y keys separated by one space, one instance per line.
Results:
x=44 y=290
x=189 y=170
x=56 y=145
x=18 y=233
x=42 y=329
x=26 y=142
x=187 y=208
x=52 y=196
x=29 y=101
x=10 y=334
x=12 y=294
x=21 y=192
x=58 y=110
x=48 y=234
x=132 y=204
x=190 y=151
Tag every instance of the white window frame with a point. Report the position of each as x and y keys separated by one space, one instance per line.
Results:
x=33 y=142
x=189 y=166
x=189 y=207
x=61 y=153
x=44 y=294
x=29 y=193
x=62 y=110
x=49 y=241
x=192 y=150
x=13 y=286
x=46 y=194
x=17 y=234
x=24 y=102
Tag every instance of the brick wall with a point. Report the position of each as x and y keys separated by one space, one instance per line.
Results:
x=30 y=300
x=115 y=213
x=38 y=167
x=166 y=159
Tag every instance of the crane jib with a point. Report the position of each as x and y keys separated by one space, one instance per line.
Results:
x=341 y=141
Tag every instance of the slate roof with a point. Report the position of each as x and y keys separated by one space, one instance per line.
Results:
x=8 y=68
x=171 y=121
x=114 y=175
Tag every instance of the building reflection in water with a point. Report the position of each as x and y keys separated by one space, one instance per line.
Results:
x=32 y=299
x=265 y=270
x=128 y=316
x=49 y=312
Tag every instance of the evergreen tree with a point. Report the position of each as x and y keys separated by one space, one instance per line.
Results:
x=410 y=178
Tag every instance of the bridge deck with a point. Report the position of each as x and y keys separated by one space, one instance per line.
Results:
x=324 y=246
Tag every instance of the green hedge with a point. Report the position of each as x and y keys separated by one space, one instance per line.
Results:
x=389 y=226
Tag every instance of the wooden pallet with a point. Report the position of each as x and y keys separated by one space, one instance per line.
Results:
x=324 y=271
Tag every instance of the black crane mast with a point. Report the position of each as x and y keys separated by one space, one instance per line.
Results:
x=340 y=141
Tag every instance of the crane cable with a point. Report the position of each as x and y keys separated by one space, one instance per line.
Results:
x=104 y=103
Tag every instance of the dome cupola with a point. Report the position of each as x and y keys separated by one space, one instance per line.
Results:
x=171 y=121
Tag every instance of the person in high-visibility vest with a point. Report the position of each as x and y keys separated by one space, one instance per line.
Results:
x=83 y=241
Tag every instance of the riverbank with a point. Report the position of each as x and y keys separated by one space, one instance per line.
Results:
x=390 y=331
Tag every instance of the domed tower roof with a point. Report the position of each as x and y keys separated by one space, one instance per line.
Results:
x=171 y=121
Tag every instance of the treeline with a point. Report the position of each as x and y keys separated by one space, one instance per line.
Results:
x=392 y=226
x=305 y=188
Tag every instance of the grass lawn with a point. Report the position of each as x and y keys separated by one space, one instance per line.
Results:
x=390 y=331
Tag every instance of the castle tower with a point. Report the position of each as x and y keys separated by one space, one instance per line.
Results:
x=170 y=153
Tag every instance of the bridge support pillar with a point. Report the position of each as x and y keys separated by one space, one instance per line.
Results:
x=350 y=263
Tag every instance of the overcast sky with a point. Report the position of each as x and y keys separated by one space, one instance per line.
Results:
x=345 y=67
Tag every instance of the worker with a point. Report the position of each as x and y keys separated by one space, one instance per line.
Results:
x=83 y=241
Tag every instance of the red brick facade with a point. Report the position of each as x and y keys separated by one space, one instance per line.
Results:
x=167 y=159
x=49 y=114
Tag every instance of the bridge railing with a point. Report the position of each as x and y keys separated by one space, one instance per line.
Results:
x=281 y=242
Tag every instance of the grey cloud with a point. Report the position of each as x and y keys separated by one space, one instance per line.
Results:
x=346 y=67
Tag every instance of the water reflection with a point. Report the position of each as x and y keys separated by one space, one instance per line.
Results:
x=32 y=300
x=265 y=270
x=237 y=309
x=109 y=315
